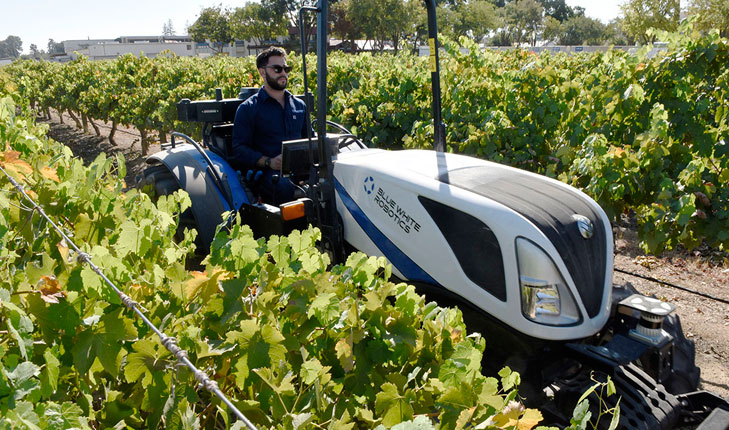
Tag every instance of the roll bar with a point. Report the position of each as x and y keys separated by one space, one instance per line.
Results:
x=322 y=11
x=321 y=179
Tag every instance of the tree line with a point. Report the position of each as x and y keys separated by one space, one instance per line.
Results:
x=12 y=47
x=402 y=23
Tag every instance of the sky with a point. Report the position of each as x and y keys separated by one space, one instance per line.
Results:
x=36 y=21
x=604 y=10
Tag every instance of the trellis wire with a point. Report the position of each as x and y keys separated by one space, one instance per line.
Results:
x=169 y=342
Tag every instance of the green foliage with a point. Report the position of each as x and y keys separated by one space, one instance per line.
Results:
x=11 y=47
x=379 y=20
x=604 y=406
x=214 y=25
x=711 y=15
x=294 y=343
x=582 y=30
x=639 y=16
x=523 y=18
x=256 y=22
x=639 y=135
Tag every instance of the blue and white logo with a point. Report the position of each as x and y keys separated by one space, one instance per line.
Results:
x=369 y=184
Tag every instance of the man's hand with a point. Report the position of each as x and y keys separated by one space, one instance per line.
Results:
x=276 y=162
x=272 y=163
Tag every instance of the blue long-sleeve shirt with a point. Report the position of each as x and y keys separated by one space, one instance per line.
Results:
x=261 y=124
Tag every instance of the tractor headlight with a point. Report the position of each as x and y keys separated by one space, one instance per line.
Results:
x=545 y=298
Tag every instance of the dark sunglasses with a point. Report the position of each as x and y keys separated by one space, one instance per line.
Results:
x=278 y=69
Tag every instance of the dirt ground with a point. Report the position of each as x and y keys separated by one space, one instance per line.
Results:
x=704 y=320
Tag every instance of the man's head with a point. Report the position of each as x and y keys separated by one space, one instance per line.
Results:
x=272 y=67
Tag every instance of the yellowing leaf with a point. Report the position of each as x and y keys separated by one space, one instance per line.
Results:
x=617 y=151
x=344 y=353
x=465 y=417
x=531 y=418
x=63 y=250
x=504 y=421
x=50 y=289
x=50 y=173
x=10 y=156
x=14 y=165
x=204 y=286
x=509 y=416
x=310 y=371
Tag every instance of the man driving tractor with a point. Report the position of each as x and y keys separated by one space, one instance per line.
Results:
x=262 y=122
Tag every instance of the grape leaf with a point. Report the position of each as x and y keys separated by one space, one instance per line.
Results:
x=325 y=308
x=419 y=423
x=311 y=371
x=63 y=416
x=344 y=353
x=394 y=407
x=102 y=341
x=145 y=359
x=24 y=414
x=50 y=372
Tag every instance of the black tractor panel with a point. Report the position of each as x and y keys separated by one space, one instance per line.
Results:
x=474 y=245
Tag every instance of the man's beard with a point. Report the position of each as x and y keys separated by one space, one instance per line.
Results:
x=273 y=82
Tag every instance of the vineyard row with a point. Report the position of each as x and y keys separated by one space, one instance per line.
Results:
x=646 y=137
x=294 y=343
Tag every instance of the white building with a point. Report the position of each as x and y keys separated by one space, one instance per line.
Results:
x=151 y=46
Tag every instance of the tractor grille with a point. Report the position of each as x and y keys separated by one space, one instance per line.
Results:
x=551 y=209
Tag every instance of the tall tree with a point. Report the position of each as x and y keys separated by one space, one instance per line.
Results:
x=711 y=14
x=447 y=17
x=214 y=25
x=55 y=47
x=640 y=15
x=557 y=9
x=503 y=36
x=404 y=19
x=342 y=26
x=168 y=29
x=35 y=53
x=524 y=19
x=614 y=34
x=552 y=29
x=11 y=47
x=582 y=30
x=416 y=29
x=380 y=20
x=255 y=22
x=290 y=10
x=476 y=19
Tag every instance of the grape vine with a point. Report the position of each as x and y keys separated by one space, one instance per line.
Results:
x=295 y=345
x=643 y=136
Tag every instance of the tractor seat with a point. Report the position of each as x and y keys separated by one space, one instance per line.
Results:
x=220 y=140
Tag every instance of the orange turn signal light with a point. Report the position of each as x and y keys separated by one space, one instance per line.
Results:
x=293 y=210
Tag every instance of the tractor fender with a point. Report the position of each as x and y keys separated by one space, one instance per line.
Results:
x=208 y=202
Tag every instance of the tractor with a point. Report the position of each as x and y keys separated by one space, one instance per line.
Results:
x=526 y=258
